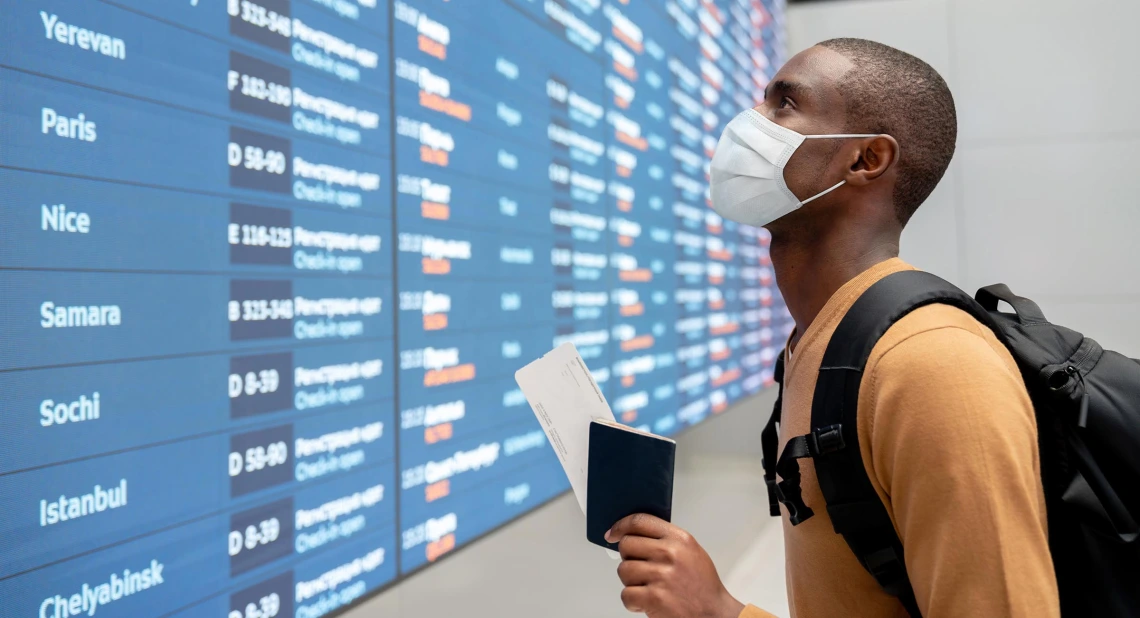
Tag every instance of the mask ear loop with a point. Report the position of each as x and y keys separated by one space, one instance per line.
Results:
x=819 y=195
x=835 y=136
x=842 y=135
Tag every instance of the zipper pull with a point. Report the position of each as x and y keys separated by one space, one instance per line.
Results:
x=1083 y=416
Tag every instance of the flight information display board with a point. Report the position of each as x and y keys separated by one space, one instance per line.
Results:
x=267 y=268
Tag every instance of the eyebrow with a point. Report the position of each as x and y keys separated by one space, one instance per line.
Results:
x=785 y=87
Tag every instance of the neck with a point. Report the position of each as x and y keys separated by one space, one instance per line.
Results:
x=811 y=265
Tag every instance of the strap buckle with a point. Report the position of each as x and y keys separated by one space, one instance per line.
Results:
x=788 y=493
x=827 y=440
x=774 y=495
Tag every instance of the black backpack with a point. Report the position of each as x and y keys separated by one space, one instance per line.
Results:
x=1087 y=403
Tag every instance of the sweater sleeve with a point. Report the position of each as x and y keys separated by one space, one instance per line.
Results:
x=953 y=453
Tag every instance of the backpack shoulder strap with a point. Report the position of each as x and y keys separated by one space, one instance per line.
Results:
x=854 y=507
x=770 y=439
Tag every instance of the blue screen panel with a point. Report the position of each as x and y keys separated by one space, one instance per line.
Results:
x=267 y=268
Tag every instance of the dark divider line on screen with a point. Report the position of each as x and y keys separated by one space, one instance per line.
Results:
x=287 y=274
x=395 y=246
x=291 y=275
x=242 y=351
x=228 y=196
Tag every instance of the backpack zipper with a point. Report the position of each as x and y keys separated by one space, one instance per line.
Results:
x=1083 y=416
x=1072 y=370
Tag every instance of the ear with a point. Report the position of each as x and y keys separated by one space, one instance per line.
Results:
x=874 y=157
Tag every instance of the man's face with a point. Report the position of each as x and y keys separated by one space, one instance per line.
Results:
x=804 y=96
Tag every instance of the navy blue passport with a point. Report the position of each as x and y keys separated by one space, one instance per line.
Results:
x=628 y=472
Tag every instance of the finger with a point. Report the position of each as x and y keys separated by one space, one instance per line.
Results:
x=638 y=572
x=636 y=599
x=641 y=548
x=640 y=525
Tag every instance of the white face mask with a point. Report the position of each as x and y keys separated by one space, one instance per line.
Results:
x=747 y=170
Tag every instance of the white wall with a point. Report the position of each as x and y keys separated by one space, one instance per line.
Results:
x=1044 y=191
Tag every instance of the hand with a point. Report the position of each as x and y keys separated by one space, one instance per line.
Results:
x=666 y=573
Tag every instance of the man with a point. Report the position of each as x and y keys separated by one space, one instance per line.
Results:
x=946 y=427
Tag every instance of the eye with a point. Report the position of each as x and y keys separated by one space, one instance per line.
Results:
x=786 y=103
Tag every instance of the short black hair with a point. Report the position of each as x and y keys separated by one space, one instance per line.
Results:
x=890 y=91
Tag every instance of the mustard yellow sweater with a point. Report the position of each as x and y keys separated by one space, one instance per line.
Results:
x=949 y=441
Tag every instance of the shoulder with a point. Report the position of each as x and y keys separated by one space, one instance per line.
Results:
x=940 y=388
x=938 y=365
x=936 y=338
